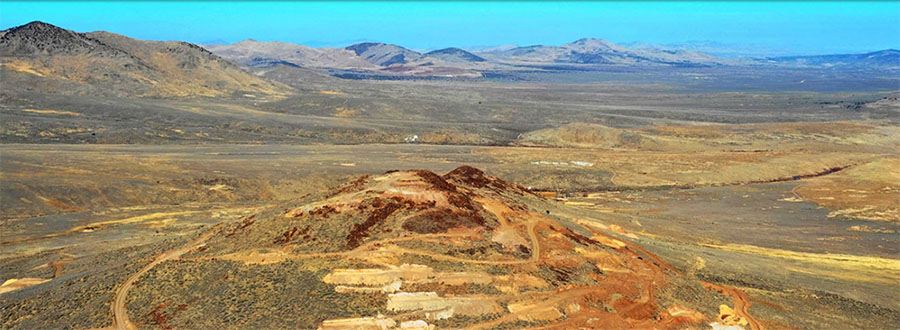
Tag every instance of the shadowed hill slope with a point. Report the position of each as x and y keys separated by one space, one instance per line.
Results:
x=48 y=58
x=453 y=54
x=384 y=54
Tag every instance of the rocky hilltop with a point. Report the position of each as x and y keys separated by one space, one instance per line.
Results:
x=415 y=248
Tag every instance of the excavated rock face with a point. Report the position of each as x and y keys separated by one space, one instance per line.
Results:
x=370 y=207
x=411 y=224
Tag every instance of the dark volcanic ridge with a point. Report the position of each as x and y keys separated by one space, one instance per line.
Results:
x=42 y=39
x=45 y=57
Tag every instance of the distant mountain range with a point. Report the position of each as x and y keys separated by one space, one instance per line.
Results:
x=395 y=59
x=598 y=51
x=253 y=53
x=887 y=59
x=381 y=55
x=64 y=61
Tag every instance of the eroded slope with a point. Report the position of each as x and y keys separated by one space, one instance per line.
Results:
x=463 y=249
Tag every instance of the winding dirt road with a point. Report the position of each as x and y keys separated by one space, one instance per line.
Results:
x=121 y=321
x=741 y=302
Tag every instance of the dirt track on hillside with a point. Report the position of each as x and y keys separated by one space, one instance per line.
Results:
x=741 y=302
x=121 y=321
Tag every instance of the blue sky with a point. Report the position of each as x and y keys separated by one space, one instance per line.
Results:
x=777 y=26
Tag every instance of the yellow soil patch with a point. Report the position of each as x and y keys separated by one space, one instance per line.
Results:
x=416 y=325
x=531 y=311
x=20 y=283
x=621 y=231
x=390 y=280
x=514 y=282
x=548 y=194
x=405 y=272
x=330 y=92
x=221 y=187
x=578 y=203
x=255 y=257
x=684 y=312
x=844 y=266
x=509 y=237
x=345 y=112
x=53 y=112
x=610 y=242
x=159 y=223
x=727 y=316
x=140 y=218
x=613 y=243
x=867 y=229
x=361 y=323
x=430 y=301
x=25 y=67
x=502 y=212
x=460 y=278
x=605 y=261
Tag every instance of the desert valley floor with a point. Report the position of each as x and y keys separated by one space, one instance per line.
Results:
x=161 y=185
x=786 y=238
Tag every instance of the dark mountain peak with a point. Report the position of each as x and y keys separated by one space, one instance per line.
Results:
x=120 y=65
x=38 y=30
x=453 y=53
x=35 y=26
x=39 y=38
x=383 y=54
